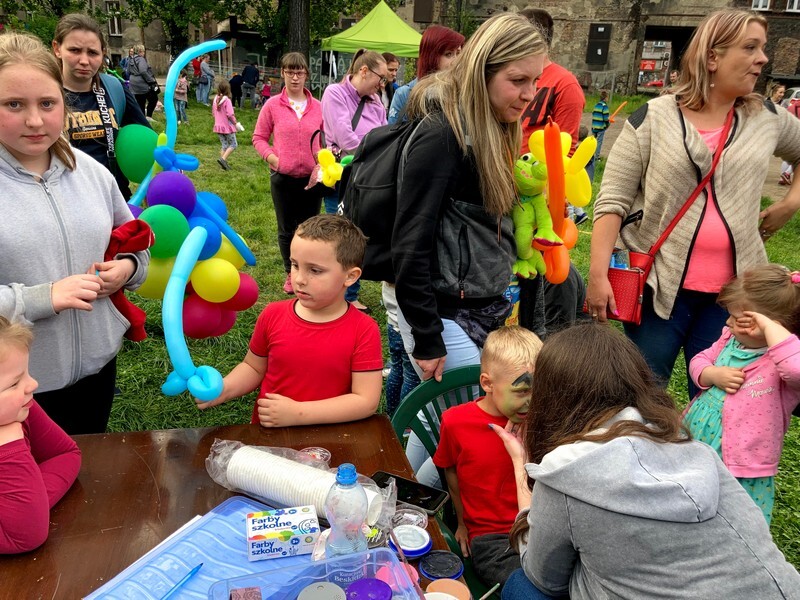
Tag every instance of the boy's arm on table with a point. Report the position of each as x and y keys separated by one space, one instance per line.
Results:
x=244 y=378
x=275 y=410
x=461 y=534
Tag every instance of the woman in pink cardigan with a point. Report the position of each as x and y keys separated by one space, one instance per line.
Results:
x=225 y=124
x=291 y=118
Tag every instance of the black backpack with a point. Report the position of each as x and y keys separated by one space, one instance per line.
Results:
x=368 y=192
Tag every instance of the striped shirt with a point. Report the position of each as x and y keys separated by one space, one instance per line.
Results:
x=600 y=116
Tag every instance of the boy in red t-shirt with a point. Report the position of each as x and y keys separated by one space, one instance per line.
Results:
x=477 y=468
x=316 y=358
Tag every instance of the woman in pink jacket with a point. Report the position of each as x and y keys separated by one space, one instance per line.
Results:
x=291 y=118
x=225 y=123
x=750 y=379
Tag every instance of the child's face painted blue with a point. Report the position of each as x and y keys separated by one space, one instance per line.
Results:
x=512 y=394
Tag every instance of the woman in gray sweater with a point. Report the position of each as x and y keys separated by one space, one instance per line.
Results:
x=663 y=152
x=624 y=504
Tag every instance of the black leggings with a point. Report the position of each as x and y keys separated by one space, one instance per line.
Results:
x=148 y=100
x=293 y=205
x=84 y=406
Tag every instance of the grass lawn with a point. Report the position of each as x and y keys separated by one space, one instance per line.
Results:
x=143 y=367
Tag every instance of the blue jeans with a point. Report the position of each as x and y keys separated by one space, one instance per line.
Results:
x=599 y=135
x=202 y=92
x=331 y=208
x=180 y=111
x=461 y=352
x=695 y=324
x=519 y=587
x=402 y=377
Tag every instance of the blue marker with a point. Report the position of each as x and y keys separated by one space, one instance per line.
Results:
x=180 y=584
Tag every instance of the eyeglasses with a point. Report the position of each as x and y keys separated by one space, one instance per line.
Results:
x=293 y=74
x=382 y=78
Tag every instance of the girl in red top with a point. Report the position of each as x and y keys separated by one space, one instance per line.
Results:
x=38 y=461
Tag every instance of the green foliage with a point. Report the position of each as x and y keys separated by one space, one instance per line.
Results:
x=42 y=15
x=458 y=17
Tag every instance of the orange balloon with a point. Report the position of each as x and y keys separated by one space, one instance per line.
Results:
x=555 y=173
x=540 y=247
x=570 y=233
x=556 y=260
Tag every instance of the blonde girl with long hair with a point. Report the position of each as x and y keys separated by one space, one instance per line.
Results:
x=453 y=244
x=59 y=208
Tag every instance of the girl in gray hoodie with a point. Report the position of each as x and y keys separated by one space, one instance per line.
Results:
x=58 y=209
x=625 y=504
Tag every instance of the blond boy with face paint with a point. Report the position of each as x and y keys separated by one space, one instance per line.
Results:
x=478 y=470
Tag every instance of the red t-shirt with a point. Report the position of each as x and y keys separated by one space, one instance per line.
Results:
x=486 y=481
x=558 y=95
x=35 y=473
x=312 y=361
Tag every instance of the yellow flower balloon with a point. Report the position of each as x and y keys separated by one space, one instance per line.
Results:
x=577 y=186
x=331 y=170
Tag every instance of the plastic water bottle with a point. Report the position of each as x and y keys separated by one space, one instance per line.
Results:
x=346 y=511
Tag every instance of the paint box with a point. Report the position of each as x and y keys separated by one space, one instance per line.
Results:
x=281 y=532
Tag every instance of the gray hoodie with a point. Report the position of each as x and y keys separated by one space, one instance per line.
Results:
x=51 y=229
x=633 y=518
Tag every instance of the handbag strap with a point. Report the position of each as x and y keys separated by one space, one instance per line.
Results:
x=359 y=110
x=700 y=186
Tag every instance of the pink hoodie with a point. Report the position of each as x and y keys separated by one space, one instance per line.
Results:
x=224 y=119
x=291 y=136
x=756 y=417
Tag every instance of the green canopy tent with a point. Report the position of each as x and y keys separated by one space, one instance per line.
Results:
x=380 y=30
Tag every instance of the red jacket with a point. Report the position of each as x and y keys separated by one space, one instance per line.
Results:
x=132 y=236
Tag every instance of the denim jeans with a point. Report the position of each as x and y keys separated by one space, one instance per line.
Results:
x=461 y=352
x=180 y=111
x=519 y=587
x=695 y=324
x=592 y=163
x=402 y=376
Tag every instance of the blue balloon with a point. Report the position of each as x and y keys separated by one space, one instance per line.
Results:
x=213 y=240
x=203 y=210
x=203 y=382
x=215 y=203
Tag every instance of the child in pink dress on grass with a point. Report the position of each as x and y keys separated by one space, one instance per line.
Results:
x=750 y=379
x=225 y=123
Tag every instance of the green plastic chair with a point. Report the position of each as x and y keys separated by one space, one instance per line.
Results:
x=432 y=398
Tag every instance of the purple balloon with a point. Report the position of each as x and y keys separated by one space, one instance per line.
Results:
x=135 y=210
x=174 y=189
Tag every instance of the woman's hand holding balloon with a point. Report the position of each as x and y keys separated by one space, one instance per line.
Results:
x=113 y=274
x=75 y=291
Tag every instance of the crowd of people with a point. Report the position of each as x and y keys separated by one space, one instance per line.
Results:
x=576 y=445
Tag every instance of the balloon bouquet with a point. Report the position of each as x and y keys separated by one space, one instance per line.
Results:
x=545 y=177
x=197 y=255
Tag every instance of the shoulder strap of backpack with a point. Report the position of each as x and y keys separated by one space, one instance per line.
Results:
x=359 y=110
x=404 y=155
x=117 y=93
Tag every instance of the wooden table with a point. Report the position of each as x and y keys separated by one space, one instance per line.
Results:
x=134 y=489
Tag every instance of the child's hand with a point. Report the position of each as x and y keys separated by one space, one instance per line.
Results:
x=76 y=291
x=114 y=274
x=221 y=399
x=275 y=410
x=728 y=379
x=462 y=538
x=756 y=323
x=513 y=436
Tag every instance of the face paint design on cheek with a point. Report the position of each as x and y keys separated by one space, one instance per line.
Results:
x=516 y=398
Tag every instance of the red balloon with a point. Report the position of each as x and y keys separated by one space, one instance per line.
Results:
x=200 y=317
x=228 y=318
x=245 y=297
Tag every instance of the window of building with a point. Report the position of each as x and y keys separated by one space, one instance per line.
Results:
x=760 y=5
x=793 y=5
x=114 y=24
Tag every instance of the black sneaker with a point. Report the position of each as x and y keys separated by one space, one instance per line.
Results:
x=224 y=164
x=581 y=218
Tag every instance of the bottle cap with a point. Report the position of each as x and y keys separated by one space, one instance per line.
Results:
x=346 y=474
x=440 y=564
x=369 y=589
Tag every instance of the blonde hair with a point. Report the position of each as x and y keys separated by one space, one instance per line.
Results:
x=460 y=93
x=716 y=33
x=511 y=347
x=769 y=290
x=26 y=49
x=15 y=335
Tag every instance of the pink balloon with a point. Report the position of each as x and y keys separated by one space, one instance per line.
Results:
x=200 y=318
x=228 y=318
x=245 y=297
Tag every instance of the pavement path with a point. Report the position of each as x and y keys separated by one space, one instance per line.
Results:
x=771 y=187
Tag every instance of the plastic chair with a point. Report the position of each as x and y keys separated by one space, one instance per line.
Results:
x=432 y=398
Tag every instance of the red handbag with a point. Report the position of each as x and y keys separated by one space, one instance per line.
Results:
x=628 y=284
